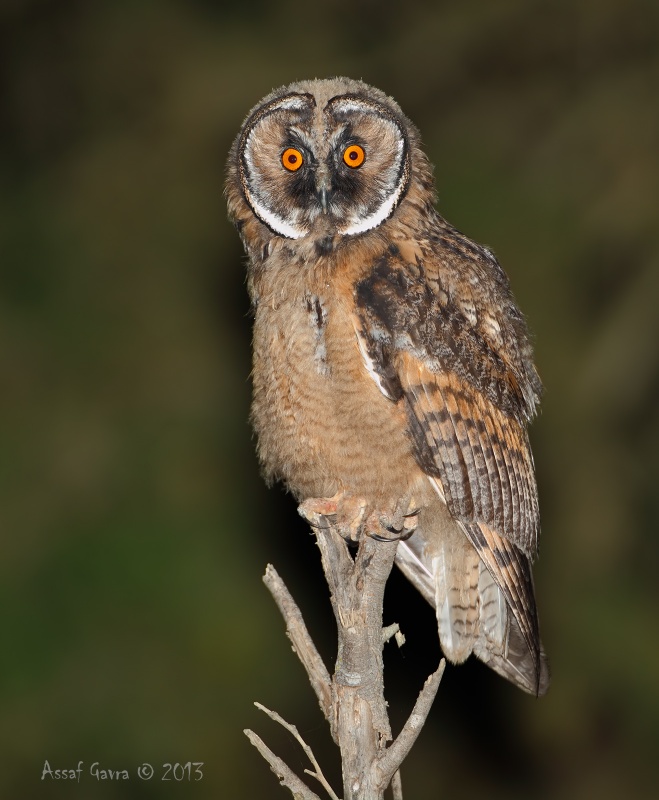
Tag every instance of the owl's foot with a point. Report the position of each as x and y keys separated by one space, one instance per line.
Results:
x=343 y=512
x=400 y=524
x=352 y=517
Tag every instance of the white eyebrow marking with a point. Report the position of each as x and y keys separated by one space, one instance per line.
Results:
x=353 y=104
x=295 y=101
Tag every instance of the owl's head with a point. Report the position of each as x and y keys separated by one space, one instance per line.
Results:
x=324 y=157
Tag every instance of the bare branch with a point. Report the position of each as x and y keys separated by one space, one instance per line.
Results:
x=397 y=786
x=352 y=700
x=360 y=721
x=303 y=645
x=317 y=773
x=389 y=631
x=393 y=756
x=287 y=777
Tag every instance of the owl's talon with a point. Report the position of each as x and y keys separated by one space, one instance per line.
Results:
x=379 y=538
x=388 y=526
x=402 y=521
x=401 y=537
x=318 y=521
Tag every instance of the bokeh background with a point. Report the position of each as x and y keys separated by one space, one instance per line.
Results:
x=135 y=526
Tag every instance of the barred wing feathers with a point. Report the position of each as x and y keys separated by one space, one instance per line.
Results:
x=456 y=352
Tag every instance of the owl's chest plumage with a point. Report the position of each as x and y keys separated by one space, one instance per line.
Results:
x=322 y=423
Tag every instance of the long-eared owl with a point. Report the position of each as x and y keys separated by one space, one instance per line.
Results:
x=393 y=373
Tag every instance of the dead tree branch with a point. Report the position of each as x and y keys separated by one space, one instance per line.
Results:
x=317 y=772
x=285 y=774
x=352 y=700
x=302 y=642
x=393 y=757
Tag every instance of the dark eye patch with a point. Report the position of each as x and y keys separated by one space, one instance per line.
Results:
x=346 y=183
x=301 y=184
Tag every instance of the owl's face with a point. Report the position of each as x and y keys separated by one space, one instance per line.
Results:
x=323 y=158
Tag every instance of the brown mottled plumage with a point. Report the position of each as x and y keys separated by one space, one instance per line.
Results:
x=393 y=374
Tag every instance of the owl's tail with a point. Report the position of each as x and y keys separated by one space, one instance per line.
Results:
x=473 y=614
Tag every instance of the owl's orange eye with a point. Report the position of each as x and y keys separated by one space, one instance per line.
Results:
x=354 y=155
x=292 y=159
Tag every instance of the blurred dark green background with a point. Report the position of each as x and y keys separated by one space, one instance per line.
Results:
x=135 y=527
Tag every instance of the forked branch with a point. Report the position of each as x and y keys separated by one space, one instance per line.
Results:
x=352 y=700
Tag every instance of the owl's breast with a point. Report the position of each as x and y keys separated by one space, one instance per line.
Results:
x=323 y=424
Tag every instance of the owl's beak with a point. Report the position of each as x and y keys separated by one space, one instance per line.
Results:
x=323 y=190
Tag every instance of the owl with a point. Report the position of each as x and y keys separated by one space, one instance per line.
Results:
x=393 y=378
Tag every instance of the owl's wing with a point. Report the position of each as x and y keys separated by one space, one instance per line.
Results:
x=467 y=404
